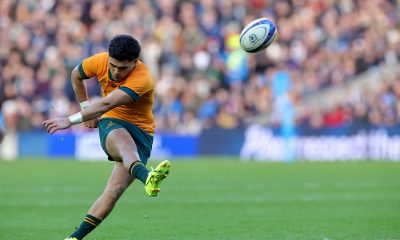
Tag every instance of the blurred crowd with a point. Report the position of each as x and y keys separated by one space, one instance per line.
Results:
x=362 y=109
x=202 y=76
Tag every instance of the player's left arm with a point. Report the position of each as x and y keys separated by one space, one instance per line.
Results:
x=115 y=98
x=103 y=105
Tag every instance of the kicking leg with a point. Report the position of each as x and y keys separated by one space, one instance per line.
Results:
x=121 y=147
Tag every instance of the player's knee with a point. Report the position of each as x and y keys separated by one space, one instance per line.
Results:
x=129 y=160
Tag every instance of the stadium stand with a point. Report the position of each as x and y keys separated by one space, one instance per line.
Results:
x=203 y=78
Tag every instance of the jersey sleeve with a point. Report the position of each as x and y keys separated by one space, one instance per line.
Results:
x=93 y=65
x=136 y=86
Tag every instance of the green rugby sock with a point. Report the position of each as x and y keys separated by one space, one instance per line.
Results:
x=89 y=223
x=139 y=171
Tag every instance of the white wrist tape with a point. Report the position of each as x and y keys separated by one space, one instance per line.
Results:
x=76 y=118
x=84 y=104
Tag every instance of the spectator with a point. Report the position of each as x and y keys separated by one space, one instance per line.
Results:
x=192 y=50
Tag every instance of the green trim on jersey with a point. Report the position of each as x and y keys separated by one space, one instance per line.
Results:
x=110 y=75
x=130 y=92
x=82 y=72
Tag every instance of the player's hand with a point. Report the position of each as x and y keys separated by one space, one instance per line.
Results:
x=55 y=124
x=94 y=123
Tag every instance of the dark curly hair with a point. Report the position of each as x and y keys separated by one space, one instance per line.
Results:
x=124 y=47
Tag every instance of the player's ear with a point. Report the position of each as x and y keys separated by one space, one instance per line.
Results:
x=136 y=60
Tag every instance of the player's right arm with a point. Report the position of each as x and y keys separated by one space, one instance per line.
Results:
x=79 y=87
x=89 y=67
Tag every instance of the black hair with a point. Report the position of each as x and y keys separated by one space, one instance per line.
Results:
x=124 y=47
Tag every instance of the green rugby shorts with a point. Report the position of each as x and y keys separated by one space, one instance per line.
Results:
x=143 y=140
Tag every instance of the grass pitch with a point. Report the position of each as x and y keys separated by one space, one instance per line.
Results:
x=207 y=199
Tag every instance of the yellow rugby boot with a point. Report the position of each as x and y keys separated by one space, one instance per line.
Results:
x=155 y=177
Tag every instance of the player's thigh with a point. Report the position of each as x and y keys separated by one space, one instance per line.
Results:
x=119 y=180
x=121 y=146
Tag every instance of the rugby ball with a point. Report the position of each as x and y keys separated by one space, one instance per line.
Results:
x=257 y=35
